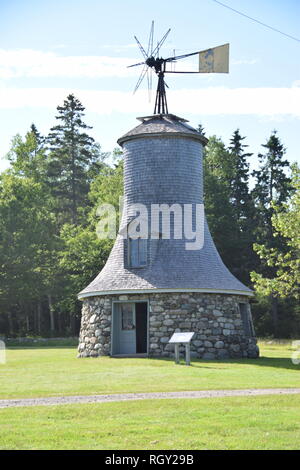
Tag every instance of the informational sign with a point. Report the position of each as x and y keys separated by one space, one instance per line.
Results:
x=181 y=337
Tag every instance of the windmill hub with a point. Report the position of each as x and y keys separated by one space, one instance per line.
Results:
x=155 y=63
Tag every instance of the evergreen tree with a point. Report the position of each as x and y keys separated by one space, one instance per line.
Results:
x=39 y=139
x=282 y=283
x=28 y=156
x=228 y=203
x=72 y=159
x=218 y=174
x=240 y=196
x=243 y=207
x=272 y=187
x=286 y=224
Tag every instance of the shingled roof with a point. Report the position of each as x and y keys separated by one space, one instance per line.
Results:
x=159 y=124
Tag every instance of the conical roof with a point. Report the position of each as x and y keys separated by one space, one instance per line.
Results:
x=162 y=124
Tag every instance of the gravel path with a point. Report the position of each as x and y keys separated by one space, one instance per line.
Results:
x=50 y=401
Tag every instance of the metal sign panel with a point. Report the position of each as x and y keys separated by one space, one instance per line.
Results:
x=214 y=60
x=181 y=337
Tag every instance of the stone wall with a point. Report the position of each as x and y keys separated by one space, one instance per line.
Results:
x=215 y=318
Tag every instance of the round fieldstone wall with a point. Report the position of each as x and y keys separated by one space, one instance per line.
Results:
x=215 y=318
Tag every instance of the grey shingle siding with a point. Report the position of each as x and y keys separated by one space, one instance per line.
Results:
x=163 y=164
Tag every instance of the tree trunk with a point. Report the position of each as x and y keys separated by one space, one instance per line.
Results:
x=39 y=314
x=73 y=156
x=10 y=323
x=27 y=323
x=51 y=313
x=59 y=323
x=274 y=314
x=72 y=324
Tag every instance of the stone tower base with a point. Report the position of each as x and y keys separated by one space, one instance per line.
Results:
x=222 y=324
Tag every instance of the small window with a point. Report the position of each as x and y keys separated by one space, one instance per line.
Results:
x=127 y=316
x=246 y=319
x=137 y=252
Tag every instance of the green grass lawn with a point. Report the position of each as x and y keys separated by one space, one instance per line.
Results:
x=46 y=371
x=269 y=422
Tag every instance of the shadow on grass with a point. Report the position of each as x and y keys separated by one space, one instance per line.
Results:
x=276 y=362
x=262 y=361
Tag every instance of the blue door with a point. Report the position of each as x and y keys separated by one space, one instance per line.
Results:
x=127 y=328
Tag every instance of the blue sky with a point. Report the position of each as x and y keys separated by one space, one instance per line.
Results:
x=49 y=49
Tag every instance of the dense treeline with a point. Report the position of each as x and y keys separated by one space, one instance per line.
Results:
x=49 y=249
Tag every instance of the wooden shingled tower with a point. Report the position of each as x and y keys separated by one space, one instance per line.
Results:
x=152 y=286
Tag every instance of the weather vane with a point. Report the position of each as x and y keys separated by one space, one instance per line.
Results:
x=214 y=60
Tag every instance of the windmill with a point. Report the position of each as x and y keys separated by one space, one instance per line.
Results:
x=214 y=60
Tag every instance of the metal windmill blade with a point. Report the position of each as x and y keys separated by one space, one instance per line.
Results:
x=214 y=60
x=150 y=41
x=146 y=70
x=144 y=53
x=141 y=78
x=151 y=63
x=149 y=53
x=135 y=65
x=160 y=43
x=150 y=81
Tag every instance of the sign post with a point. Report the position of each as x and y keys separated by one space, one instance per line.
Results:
x=182 y=338
x=187 y=354
x=177 y=353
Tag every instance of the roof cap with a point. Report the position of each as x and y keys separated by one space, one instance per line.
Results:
x=160 y=125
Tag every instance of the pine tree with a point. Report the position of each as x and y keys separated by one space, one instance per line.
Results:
x=272 y=187
x=73 y=154
x=39 y=139
x=228 y=203
x=240 y=195
x=243 y=207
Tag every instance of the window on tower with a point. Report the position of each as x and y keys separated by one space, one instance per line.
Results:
x=137 y=252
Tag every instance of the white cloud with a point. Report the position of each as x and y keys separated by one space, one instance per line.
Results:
x=29 y=63
x=255 y=101
x=32 y=63
x=209 y=100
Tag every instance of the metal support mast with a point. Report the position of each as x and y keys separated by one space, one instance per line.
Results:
x=161 y=106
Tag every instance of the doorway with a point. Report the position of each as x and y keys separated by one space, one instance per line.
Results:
x=130 y=328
